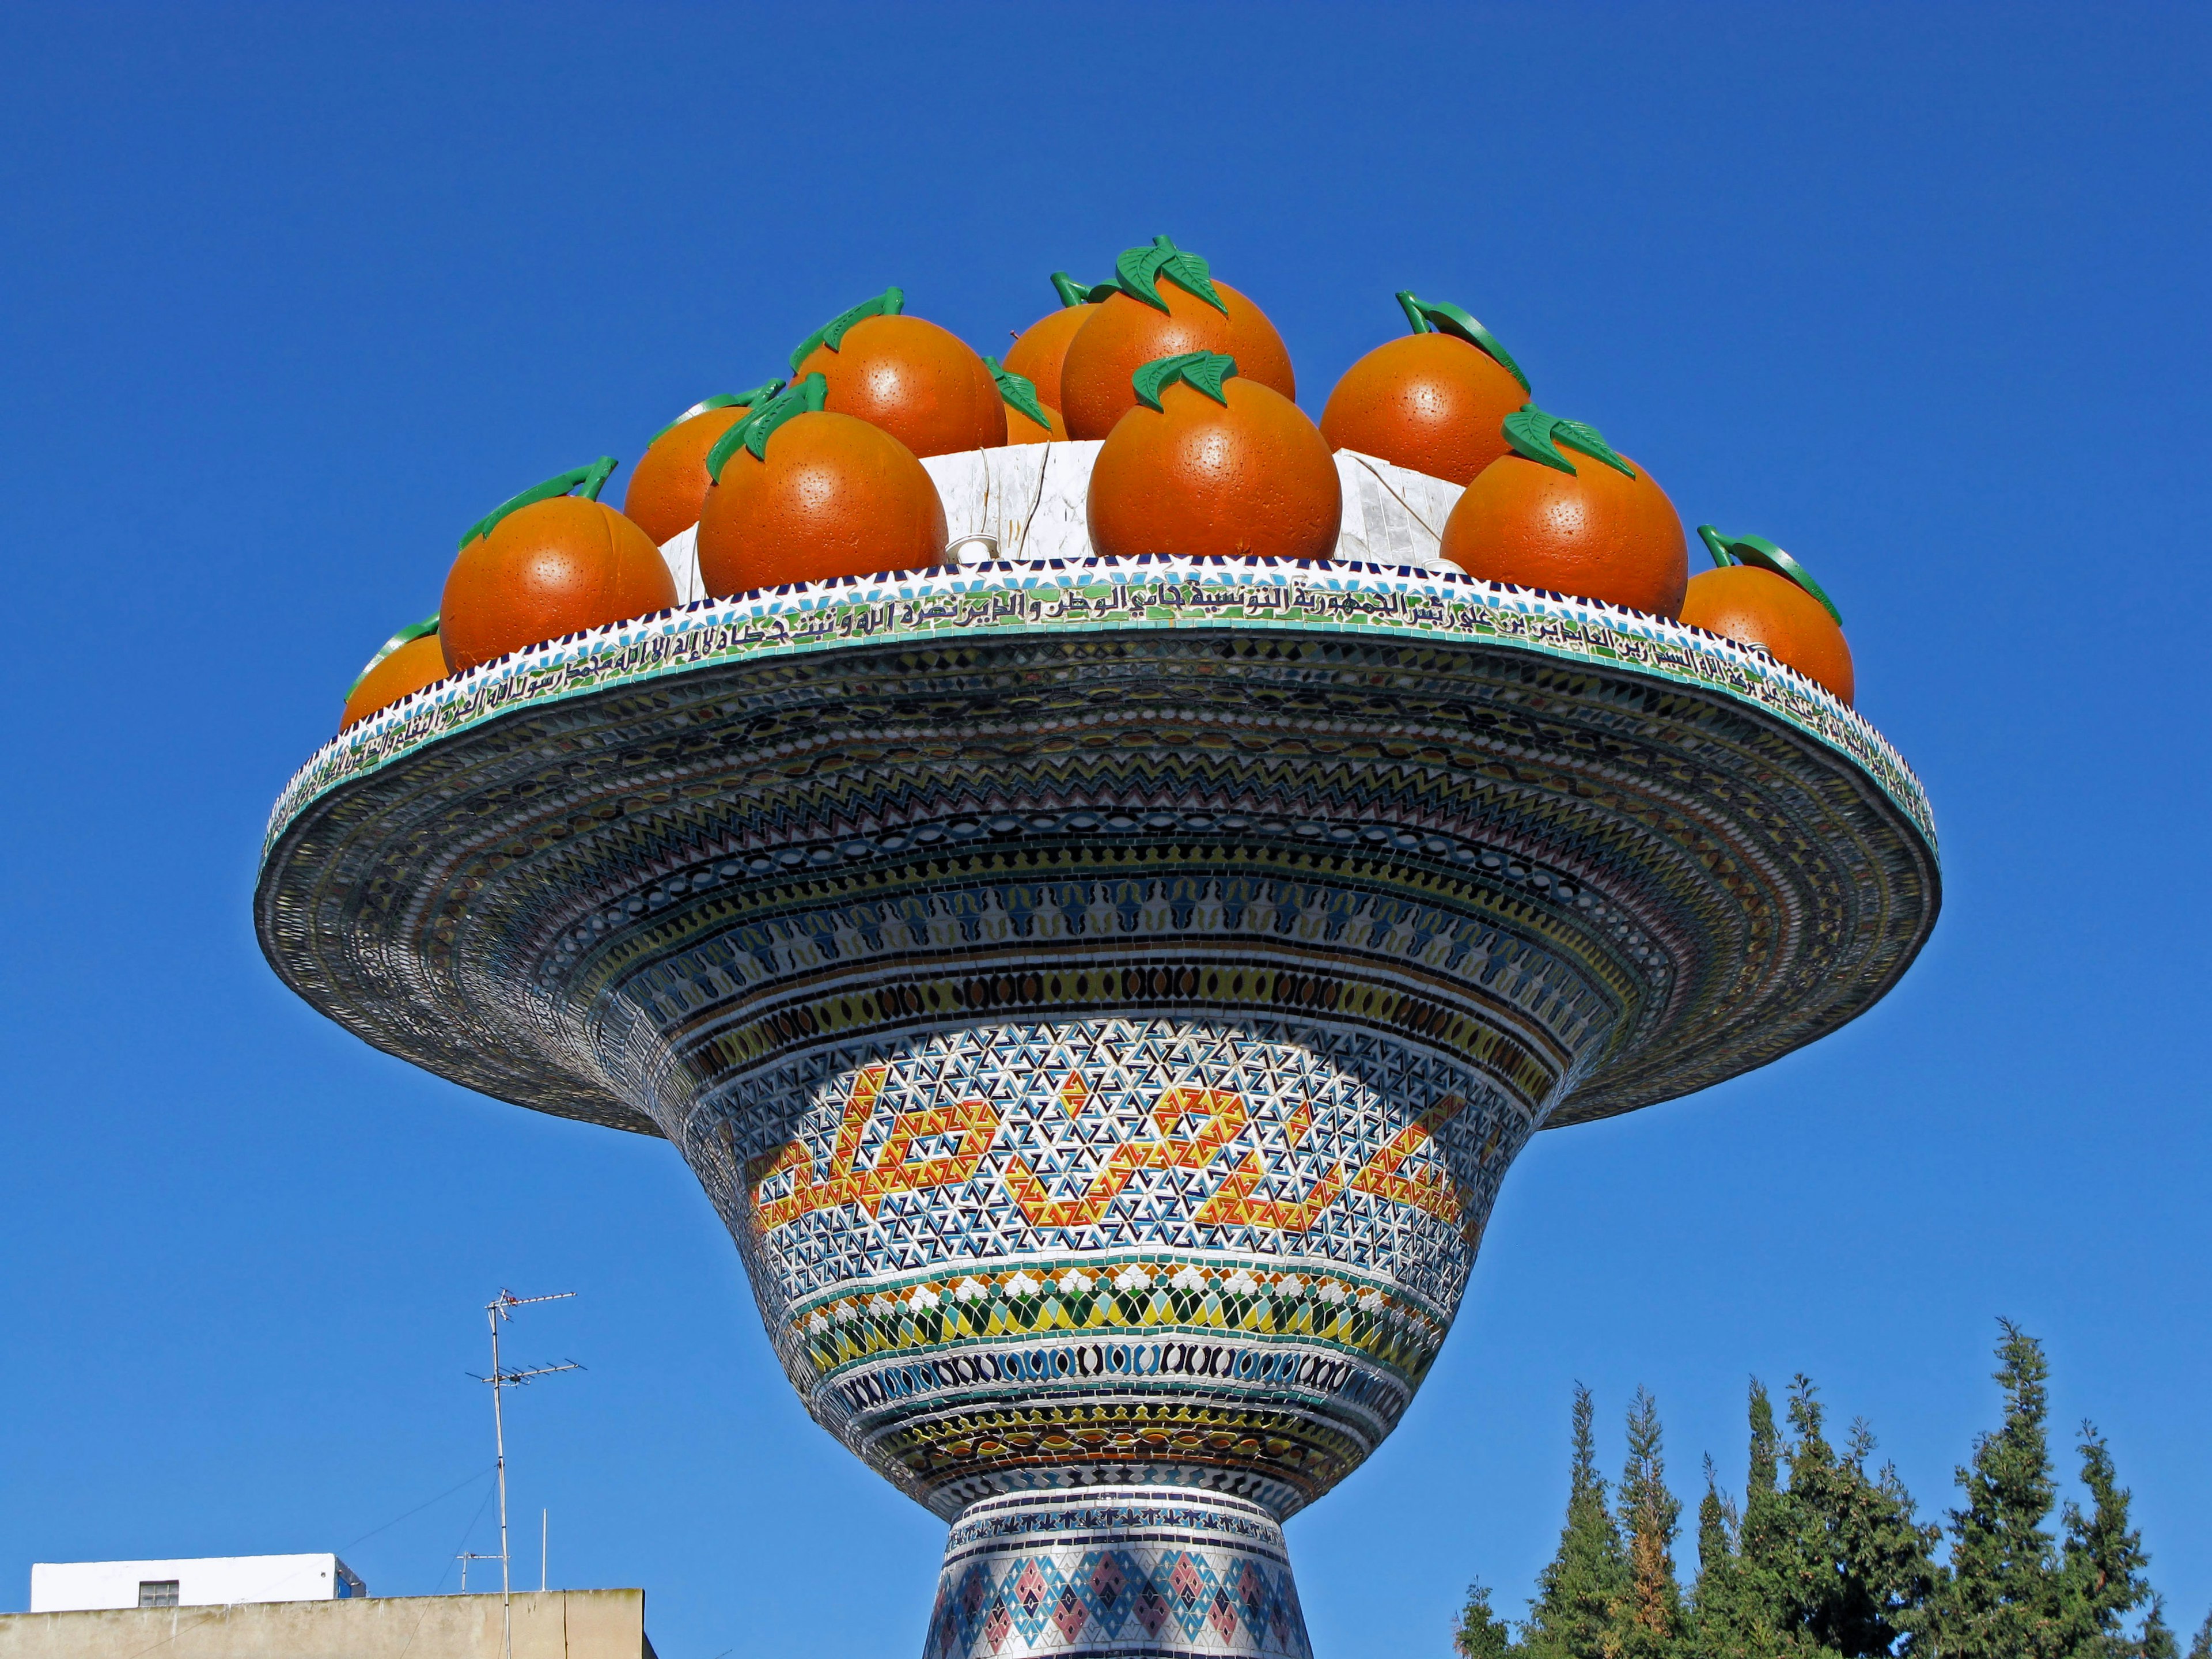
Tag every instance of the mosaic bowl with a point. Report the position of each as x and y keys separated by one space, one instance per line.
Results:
x=1102 y=997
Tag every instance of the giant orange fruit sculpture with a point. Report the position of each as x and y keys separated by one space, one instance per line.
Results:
x=549 y=563
x=670 y=480
x=1037 y=354
x=408 y=661
x=1210 y=463
x=1593 y=527
x=1759 y=594
x=1029 y=421
x=1142 y=321
x=920 y=383
x=1434 y=400
x=802 y=493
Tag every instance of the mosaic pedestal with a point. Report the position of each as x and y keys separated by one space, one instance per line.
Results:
x=1102 y=999
x=1121 y=1571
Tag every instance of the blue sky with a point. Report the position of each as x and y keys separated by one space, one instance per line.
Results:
x=291 y=296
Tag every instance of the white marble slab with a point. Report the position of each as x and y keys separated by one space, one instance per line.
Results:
x=1031 y=501
x=1392 y=515
x=1024 y=502
x=681 y=551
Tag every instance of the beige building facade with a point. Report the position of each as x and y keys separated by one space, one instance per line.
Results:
x=606 y=1623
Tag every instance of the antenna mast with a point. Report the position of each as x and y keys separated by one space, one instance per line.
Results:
x=501 y=1307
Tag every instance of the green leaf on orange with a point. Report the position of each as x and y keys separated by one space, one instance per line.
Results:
x=590 y=479
x=760 y=393
x=1202 y=371
x=406 y=635
x=1138 y=272
x=1019 y=392
x=1442 y=317
x=1538 y=435
x=805 y=397
x=889 y=303
x=1758 y=551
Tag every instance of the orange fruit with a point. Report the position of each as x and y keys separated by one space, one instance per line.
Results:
x=411 y=660
x=923 y=385
x=1591 y=525
x=1037 y=354
x=1144 y=321
x=1763 y=597
x=1434 y=400
x=803 y=492
x=1207 y=463
x=1028 y=419
x=670 y=479
x=545 y=564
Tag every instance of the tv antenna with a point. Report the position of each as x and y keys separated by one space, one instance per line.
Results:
x=473 y=1555
x=501 y=1307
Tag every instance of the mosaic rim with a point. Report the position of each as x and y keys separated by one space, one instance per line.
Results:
x=1149 y=593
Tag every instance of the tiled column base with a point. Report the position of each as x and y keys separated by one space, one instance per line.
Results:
x=1131 y=1571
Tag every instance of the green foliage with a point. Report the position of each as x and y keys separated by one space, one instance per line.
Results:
x=1652 y=1621
x=1481 y=1634
x=1581 y=1595
x=1826 y=1560
x=2157 y=1640
x=2004 y=1597
x=2104 y=1556
x=2200 y=1648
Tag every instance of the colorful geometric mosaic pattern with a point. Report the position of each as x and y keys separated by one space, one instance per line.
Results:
x=1170 y=1249
x=1124 y=1571
x=1451 y=811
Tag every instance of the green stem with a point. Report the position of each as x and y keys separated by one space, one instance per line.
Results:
x=591 y=479
x=406 y=635
x=1442 y=317
x=1072 y=292
x=758 y=394
x=806 y=397
x=1760 y=551
x=890 y=303
x=1716 y=545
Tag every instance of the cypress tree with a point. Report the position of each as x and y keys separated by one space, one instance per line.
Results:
x=1651 y=1624
x=2104 y=1555
x=1580 y=1595
x=1727 y=1616
x=2201 y=1647
x=1862 y=1568
x=2005 y=1597
x=1481 y=1633
x=2157 y=1640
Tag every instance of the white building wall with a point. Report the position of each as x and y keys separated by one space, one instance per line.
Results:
x=208 y=1581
